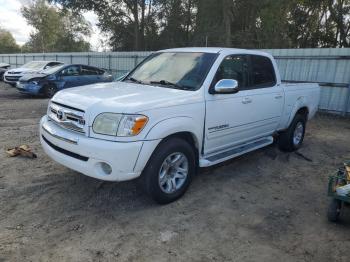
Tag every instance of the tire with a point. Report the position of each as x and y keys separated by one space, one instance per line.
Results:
x=334 y=210
x=160 y=178
x=49 y=91
x=292 y=139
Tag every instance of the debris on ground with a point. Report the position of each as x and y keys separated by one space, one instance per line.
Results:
x=303 y=156
x=23 y=150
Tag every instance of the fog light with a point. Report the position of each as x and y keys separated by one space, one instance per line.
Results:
x=107 y=169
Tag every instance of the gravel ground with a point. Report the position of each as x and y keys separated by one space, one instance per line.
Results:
x=264 y=206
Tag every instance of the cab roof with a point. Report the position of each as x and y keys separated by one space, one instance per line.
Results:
x=216 y=50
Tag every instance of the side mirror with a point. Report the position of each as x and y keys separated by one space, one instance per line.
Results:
x=226 y=86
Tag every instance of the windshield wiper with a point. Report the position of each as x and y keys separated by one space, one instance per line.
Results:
x=134 y=80
x=168 y=83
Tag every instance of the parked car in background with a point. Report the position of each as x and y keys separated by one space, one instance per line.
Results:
x=13 y=75
x=3 y=68
x=180 y=109
x=48 y=82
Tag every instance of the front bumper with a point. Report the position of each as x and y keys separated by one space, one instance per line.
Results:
x=11 y=79
x=86 y=155
x=28 y=88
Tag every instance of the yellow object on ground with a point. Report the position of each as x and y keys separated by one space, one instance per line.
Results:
x=347 y=168
x=23 y=150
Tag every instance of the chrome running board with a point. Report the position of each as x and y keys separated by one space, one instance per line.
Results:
x=227 y=154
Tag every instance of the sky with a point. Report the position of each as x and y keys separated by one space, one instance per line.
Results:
x=12 y=20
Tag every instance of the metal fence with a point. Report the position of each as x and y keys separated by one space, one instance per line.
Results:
x=328 y=67
x=116 y=62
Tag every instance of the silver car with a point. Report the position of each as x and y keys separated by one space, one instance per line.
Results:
x=13 y=75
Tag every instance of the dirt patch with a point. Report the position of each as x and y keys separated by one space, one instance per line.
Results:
x=264 y=206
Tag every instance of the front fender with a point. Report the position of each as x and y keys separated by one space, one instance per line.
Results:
x=170 y=126
x=163 y=129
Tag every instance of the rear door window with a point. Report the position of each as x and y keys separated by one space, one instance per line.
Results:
x=90 y=71
x=262 y=73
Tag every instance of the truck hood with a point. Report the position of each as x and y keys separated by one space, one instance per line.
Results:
x=121 y=97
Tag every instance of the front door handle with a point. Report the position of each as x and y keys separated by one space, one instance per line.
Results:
x=279 y=96
x=247 y=100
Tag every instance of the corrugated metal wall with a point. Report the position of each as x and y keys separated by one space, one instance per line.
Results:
x=329 y=66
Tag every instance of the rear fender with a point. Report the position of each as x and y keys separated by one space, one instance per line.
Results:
x=300 y=103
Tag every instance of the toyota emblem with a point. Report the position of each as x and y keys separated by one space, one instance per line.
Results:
x=60 y=115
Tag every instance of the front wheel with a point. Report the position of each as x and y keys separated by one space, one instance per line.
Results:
x=49 y=91
x=170 y=170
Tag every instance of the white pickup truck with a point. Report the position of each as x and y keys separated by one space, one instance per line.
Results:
x=178 y=110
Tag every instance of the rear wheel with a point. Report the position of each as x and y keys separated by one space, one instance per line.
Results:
x=292 y=139
x=49 y=91
x=170 y=170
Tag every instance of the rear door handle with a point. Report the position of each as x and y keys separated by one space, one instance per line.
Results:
x=247 y=100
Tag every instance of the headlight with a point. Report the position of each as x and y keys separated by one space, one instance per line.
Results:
x=131 y=125
x=118 y=124
x=107 y=124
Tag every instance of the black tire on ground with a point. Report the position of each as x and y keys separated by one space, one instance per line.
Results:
x=334 y=209
x=49 y=91
x=286 y=140
x=151 y=180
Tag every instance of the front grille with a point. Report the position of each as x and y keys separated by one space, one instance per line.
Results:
x=12 y=78
x=67 y=117
x=64 y=151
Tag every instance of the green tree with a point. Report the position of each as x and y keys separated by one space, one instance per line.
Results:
x=7 y=42
x=339 y=13
x=55 y=30
x=176 y=23
x=125 y=21
x=155 y=24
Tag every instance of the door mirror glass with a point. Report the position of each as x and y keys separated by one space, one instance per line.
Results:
x=226 y=86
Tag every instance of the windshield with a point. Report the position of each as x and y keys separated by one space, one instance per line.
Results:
x=34 y=65
x=174 y=69
x=52 y=70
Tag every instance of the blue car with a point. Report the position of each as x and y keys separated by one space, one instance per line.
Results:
x=51 y=80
